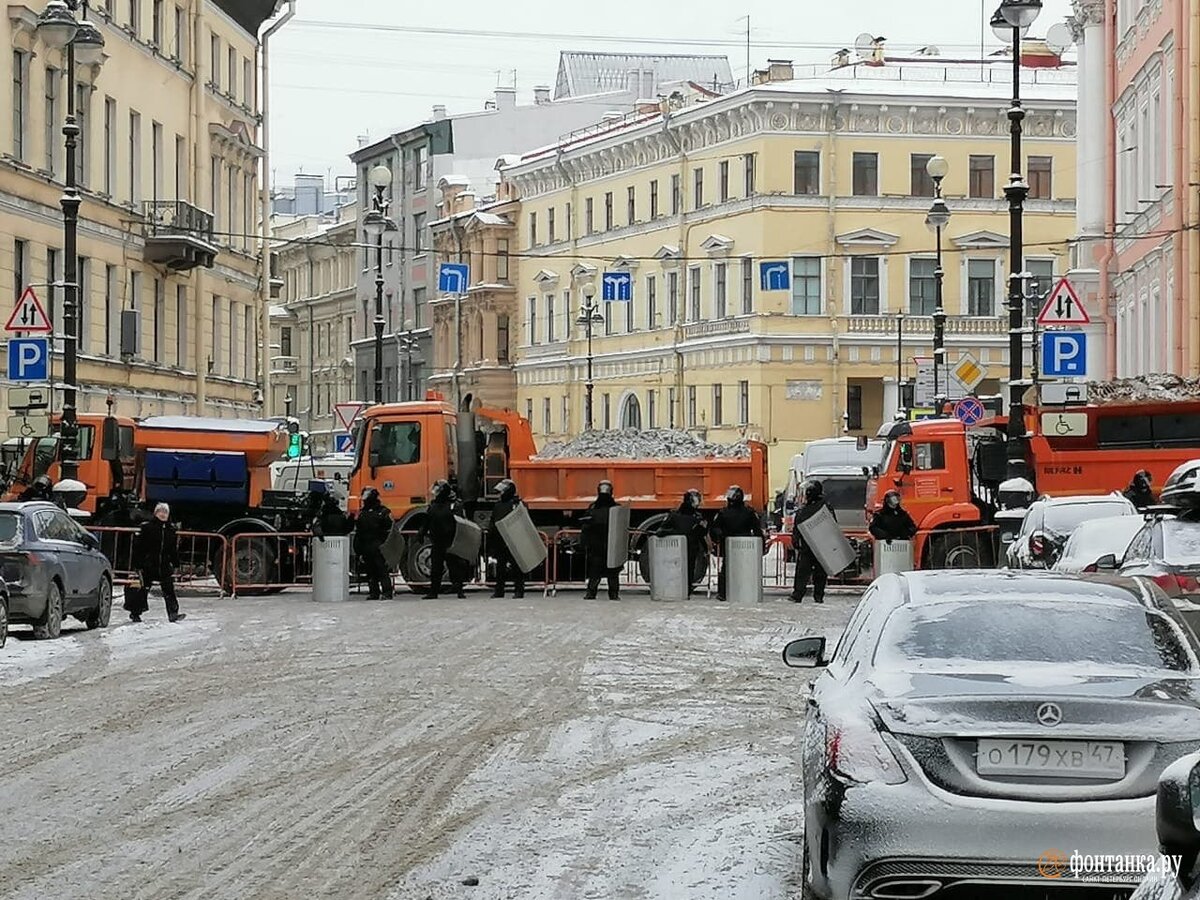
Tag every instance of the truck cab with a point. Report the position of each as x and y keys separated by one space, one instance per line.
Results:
x=104 y=450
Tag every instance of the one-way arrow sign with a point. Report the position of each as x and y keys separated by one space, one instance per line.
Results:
x=29 y=316
x=1063 y=307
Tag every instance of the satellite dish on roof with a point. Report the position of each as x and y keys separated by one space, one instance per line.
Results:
x=1059 y=39
x=864 y=45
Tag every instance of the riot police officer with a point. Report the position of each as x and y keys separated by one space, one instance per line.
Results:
x=735 y=520
x=595 y=544
x=807 y=566
x=440 y=528
x=505 y=564
x=686 y=521
x=371 y=532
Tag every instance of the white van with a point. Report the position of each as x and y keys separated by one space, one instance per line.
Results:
x=295 y=474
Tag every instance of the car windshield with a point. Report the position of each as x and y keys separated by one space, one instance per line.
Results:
x=1065 y=518
x=844 y=493
x=995 y=629
x=1181 y=543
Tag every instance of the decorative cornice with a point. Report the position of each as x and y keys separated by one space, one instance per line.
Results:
x=870 y=237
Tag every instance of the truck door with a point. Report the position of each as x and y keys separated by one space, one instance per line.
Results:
x=398 y=465
x=927 y=483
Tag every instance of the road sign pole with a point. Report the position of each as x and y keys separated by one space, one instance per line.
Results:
x=69 y=431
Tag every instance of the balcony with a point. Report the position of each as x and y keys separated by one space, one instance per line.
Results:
x=716 y=328
x=179 y=235
x=963 y=325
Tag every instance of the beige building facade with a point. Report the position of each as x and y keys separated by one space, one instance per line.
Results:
x=168 y=171
x=822 y=171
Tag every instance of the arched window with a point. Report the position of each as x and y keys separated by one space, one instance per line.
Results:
x=631 y=413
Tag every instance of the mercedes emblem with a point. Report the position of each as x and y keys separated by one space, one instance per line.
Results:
x=1049 y=714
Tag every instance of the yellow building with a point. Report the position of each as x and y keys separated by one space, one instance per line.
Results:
x=824 y=171
x=168 y=171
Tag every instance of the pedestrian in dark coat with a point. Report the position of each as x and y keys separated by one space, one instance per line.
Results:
x=735 y=520
x=371 y=532
x=1140 y=491
x=40 y=489
x=807 y=566
x=893 y=523
x=595 y=544
x=439 y=528
x=156 y=556
x=686 y=521
x=506 y=566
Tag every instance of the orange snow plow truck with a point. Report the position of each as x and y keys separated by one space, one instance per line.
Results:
x=950 y=476
x=403 y=448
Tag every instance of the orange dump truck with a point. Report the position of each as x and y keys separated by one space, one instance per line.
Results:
x=403 y=448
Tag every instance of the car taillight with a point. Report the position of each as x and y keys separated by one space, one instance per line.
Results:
x=860 y=755
x=1177 y=584
x=1090 y=568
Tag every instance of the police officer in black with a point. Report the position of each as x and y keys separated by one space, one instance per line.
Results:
x=40 y=489
x=595 y=544
x=735 y=520
x=440 y=528
x=370 y=533
x=807 y=566
x=1140 y=491
x=686 y=521
x=892 y=523
x=505 y=564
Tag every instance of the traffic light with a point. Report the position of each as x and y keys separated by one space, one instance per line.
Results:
x=295 y=446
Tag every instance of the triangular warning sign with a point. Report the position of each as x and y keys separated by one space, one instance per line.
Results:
x=29 y=315
x=347 y=412
x=1063 y=307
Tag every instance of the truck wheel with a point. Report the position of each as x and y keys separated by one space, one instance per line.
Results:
x=99 y=617
x=51 y=624
x=253 y=563
x=416 y=564
x=954 y=550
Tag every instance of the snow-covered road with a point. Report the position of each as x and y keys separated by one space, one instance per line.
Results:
x=280 y=749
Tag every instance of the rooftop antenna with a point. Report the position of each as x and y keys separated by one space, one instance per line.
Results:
x=864 y=46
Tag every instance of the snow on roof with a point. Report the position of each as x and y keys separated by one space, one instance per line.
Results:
x=589 y=72
x=189 y=423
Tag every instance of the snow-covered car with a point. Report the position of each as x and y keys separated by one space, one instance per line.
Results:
x=1177 y=817
x=1182 y=487
x=1167 y=551
x=1049 y=522
x=1094 y=541
x=967 y=721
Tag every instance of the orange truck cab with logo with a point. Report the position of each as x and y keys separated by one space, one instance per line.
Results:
x=949 y=475
x=402 y=448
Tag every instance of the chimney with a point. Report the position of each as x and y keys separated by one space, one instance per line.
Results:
x=363 y=140
x=541 y=94
x=780 y=70
x=506 y=98
x=439 y=112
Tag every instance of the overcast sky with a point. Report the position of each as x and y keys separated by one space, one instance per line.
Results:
x=359 y=75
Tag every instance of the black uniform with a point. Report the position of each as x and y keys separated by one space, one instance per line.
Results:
x=807 y=566
x=893 y=524
x=371 y=531
x=329 y=519
x=505 y=564
x=687 y=522
x=735 y=520
x=1139 y=492
x=156 y=555
x=440 y=528
x=40 y=489
x=595 y=546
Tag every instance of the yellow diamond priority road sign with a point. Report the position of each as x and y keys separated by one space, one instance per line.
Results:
x=969 y=371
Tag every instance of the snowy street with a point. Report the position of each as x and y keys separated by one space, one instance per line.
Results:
x=277 y=748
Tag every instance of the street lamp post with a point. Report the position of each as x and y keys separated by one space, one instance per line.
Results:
x=408 y=344
x=376 y=223
x=589 y=315
x=84 y=45
x=900 y=385
x=937 y=219
x=1010 y=22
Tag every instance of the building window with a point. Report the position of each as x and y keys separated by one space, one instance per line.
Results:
x=854 y=407
x=546 y=416
x=551 y=322
x=652 y=408
x=419 y=306
x=671 y=420
x=922 y=287
x=502 y=258
x=922 y=183
x=156 y=24
x=607 y=404
x=214 y=62
x=249 y=94
x=135 y=158
x=747 y=286
x=719 y=289
x=156 y=160
x=676 y=195
x=743 y=403
x=180 y=34
x=864 y=286
x=285 y=342
x=654 y=199
x=1040 y=285
x=806 y=168
x=110 y=308
x=531 y=324
x=691 y=406
x=697 y=188
x=750 y=173
x=565 y=416
x=232 y=56
x=694 y=294
x=806 y=286
x=631 y=204
x=723 y=180
x=20 y=100
x=52 y=126
x=672 y=298
x=135 y=17
x=718 y=413
x=608 y=211
x=529 y=411
x=181 y=166
x=53 y=277
x=651 y=303
x=866 y=175
x=110 y=146
x=551 y=226
x=1040 y=172
x=502 y=338
x=83 y=159
x=981 y=287
x=610 y=325
x=420 y=234
x=589 y=216
x=982 y=177
x=157 y=319
x=630 y=312
x=533 y=231
x=420 y=157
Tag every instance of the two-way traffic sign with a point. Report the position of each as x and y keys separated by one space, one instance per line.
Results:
x=28 y=316
x=1063 y=307
x=617 y=287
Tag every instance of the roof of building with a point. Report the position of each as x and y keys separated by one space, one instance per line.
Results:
x=588 y=72
x=250 y=14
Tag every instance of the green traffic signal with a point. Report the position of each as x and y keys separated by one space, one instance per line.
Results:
x=295 y=446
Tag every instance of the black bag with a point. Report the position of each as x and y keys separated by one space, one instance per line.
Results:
x=136 y=599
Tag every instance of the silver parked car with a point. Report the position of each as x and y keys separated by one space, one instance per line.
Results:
x=969 y=722
x=1049 y=523
x=52 y=568
x=1090 y=545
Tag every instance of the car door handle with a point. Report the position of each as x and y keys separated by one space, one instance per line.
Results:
x=812 y=701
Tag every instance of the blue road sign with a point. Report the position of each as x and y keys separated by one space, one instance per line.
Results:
x=343 y=443
x=775 y=276
x=617 y=286
x=454 y=278
x=969 y=411
x=29 y=359
x=1064 y=354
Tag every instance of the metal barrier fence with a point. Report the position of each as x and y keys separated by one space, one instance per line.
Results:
x=201 y=555
x=268 y=563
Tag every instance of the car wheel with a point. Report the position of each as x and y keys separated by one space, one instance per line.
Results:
x=99 y=617
x=3 y=621
x=50 y=625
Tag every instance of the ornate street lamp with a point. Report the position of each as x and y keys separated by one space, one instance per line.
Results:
x=937 y=219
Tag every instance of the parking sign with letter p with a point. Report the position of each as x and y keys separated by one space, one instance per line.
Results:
x=1064 y=354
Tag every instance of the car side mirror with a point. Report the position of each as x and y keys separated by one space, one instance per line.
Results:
x=1107 y=563
x=805 y=653
x=110 y=440
x=1176 y=810
x=90 y=540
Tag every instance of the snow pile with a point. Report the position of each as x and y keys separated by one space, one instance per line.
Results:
x=658 y=443
x=1145 y=389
